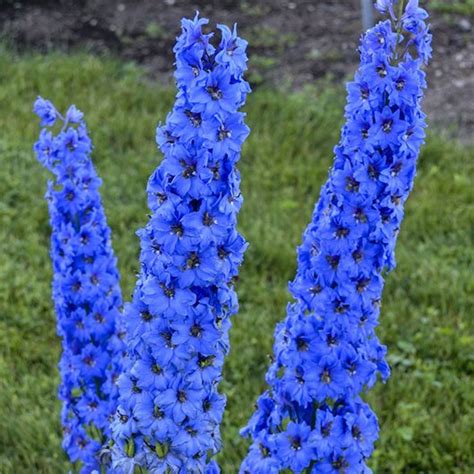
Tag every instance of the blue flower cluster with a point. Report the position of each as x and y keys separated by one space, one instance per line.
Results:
x=86 y=289
x=178 y=322
x=326 y=353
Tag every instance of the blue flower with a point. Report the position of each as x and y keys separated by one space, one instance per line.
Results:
x=179 y=318
x=46 y=111
x=86 y=288
x=218 y=93
x=232 y=50
x=294 y=446
x=326 y=351
x=388 y=127
x=226 y=132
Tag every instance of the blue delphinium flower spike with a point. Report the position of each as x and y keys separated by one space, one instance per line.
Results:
x=312 y=419
x=177 y=324
x=86 y=290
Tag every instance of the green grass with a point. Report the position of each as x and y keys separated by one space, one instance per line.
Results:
x=427 y=407
x=462 y=7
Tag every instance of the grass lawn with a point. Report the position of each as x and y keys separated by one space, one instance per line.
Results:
x=463 y=7
x=426 y=409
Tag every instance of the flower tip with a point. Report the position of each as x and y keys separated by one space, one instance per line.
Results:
x=74 y=115
x=199 y=21
x=45 y=110
x=385 y=6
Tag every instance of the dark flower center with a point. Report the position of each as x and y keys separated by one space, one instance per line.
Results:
x=362 y=284
x=352 y=184
x=381 y=71
x=156 y=369
x=340 y=464
x=195 y=330
x=193 y=260
x=296 y=443
x=99 y=318
x=215 y=172
x=373 y=172
x=206 y=361
x=158 y=412
x=223 y=134
x=333 y=261
x=400 y=84
x=340 y=307
x=342 y=232
x=194 y=118
x=177 y=229
x=396 y=168
x=123 y=418
x=264 y=450
x=326 y=429
x=222 y=252
x=215 y=93
x=207 y=219
x=302 y=344
x=387 y=126
x=352 y=369
x=189 y=171
x=326 y=376
x=360 y=216
x=82 y=443
x=356 y=432
x=357 y=256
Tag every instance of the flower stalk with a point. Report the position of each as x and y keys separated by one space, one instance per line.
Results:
x=178 y=322
x=86 y=289
x=313 y=418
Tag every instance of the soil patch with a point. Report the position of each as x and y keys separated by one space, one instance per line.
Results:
x=292 y=43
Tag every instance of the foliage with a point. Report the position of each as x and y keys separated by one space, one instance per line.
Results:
x=462 y=7
x=427 y=407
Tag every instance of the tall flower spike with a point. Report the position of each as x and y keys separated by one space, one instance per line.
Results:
x=178 y=322
x=312 y=419
x=86 y=289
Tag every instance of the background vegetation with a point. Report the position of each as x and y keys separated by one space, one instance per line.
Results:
x=427 y=407
x=464 y=7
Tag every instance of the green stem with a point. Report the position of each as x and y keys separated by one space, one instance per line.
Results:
x=401 y=8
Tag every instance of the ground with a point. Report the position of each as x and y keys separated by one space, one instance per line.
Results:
x=292 y=43
x=426 y=408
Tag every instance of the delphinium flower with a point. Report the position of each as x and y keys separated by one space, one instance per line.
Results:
x=86 y=289
x=178 y=322
x=326 y=354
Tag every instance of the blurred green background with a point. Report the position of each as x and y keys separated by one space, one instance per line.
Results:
x=427 y=407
